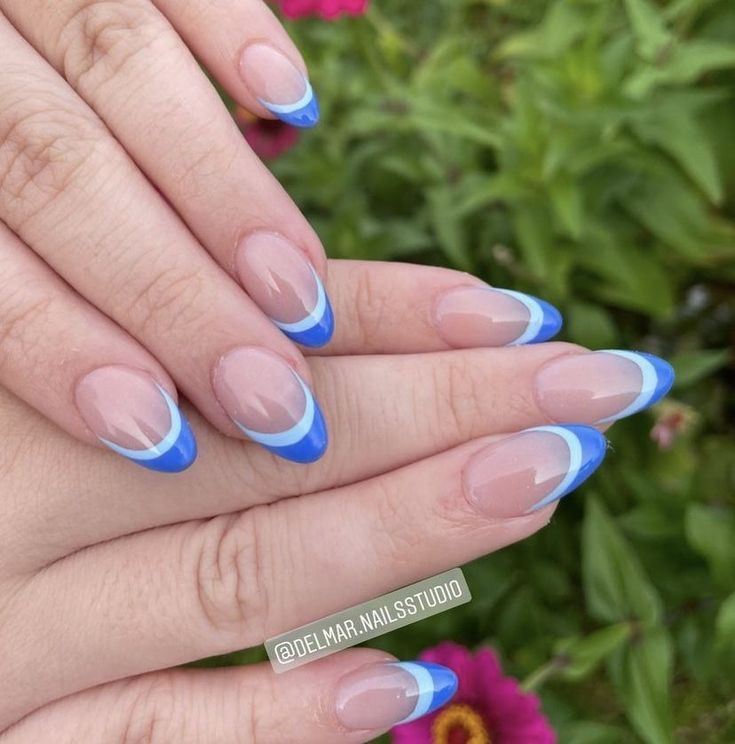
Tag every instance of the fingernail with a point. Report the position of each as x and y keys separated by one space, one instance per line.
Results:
x=270 y=403
x=279 y=85
x=283 y=283
x=527 y=471
x=135 y=417
x=383 y=695
x=601 y=386
x=467 y=317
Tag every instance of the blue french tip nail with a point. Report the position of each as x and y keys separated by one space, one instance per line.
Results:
x=587 y=448
x=174 y=453
x=657 y=379
x=317 y=328
x=544 y=321
x=305 y=442
x=304 y=113
x=436 y=685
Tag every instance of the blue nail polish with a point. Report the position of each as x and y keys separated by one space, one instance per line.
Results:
x=587 y=449
x=174 y=453
x=544 y=322
x=304 y=113
x=317 y=328
x=657 y=379
x=305 y=442
x=436 y=684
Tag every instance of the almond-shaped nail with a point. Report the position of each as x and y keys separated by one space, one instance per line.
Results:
x=380 y=696
x=602 y=386
x=279 y=85
x=134 y=416
x=532 y=469
x=467 y=317
x=283 y=283
x=270 y=403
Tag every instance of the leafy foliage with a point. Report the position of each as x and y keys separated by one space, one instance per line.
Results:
x=581 y=150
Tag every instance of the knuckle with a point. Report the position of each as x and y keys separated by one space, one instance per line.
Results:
x=457 y=386
x=101 y=37
x=169 y=299
x=150 y=711
x=371 y=309
x=23 y=316
x=399 y=536
x=231 y=570
x=43 y=147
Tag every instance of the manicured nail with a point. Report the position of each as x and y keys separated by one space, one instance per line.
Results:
x=532 y=469
x=379 y=696
x=135 y=417
x=279 y=85
x=283 y=283
x=601 y=386
x=467 y=317
x=270 y=403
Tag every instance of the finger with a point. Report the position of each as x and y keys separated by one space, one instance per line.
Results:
x=126 y=51
x=71 y=193
x=248 y=51
x=407 y=407
x=41 y=320
x=350 y=697
x=235 y=580
x=394 y=308
x=390 y=410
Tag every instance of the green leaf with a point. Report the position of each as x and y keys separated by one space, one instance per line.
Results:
x=448 y=228
x=725 y=622
x=682 y=137
x=710 y=531
x=616 y=586
x=649 y=28
x=693 y=366
x=591 y=326
x=566 y=199
x=590 y=732
x=642 y=673
x=687 y=63
x=583 y=655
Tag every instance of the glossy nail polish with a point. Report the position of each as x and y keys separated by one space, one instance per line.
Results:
x=467 y=317
x=270 y=403
x=134 y=416
x=283 y=283
x=379 y=696
x=279 y=85
x=532 y=469
x=601 y=386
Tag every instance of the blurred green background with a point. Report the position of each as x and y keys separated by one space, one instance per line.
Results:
x=583 y=151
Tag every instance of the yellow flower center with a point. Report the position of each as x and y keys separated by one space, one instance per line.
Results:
x=459 y=717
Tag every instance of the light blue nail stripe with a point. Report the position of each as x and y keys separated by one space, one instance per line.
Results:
x=289 y=108
x=648 y=386
x=536 y=313
x=426 y=689
x=315 y=317
x=164 y=445
x=293 y=435
x=575 y=463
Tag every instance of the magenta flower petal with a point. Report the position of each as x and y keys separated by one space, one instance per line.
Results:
x=327 y=9
x=510 y=715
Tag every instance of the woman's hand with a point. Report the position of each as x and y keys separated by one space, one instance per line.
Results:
x=109 y=575
x=142 y=232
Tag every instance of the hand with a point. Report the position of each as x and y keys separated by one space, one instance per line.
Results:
x=137 y=214
x=110 y=575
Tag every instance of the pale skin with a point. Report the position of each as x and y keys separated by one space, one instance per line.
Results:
x=119 y=249
x=111 y=575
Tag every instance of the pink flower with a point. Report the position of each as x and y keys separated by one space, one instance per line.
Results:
x=268 y=138
x=489 y=708
x=328 y=9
